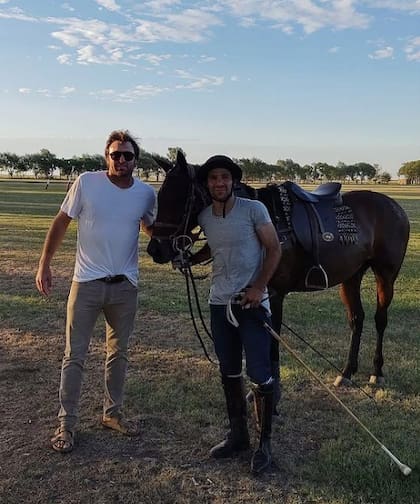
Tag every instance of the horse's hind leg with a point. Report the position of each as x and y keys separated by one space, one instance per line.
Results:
x=385 y=279
x=350 y=296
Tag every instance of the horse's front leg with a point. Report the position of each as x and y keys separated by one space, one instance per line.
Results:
x=350 y=296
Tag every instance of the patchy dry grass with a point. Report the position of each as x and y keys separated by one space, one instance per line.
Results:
x=321 y=454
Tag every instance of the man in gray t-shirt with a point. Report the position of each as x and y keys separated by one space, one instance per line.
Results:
x=246 y=251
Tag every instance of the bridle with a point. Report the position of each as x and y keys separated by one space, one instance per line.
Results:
x=179 y=236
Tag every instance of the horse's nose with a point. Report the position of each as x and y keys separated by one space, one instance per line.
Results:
x=160 y=250
x=157 y=250
x=153 y=248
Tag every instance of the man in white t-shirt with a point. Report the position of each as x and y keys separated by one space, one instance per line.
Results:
x=110 y=206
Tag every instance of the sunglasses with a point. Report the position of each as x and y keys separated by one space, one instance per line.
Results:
x=116 y=155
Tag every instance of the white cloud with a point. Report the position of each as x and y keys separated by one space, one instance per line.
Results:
x=66 y=38
x=24 y=90
x=206 y=59
x=334 y=50
x=404 y=5
x=153 y=59
x=86 y=55
x=204 y=82
x=67 y=90
x=130 y=95
x=311 y=16
x=160 y=5
x=110 y=5
x=68 y=7
x=412 y=49
x=64 y=59
x=190 y=25
x=16 y=13
x=44 y=92
x=384 y=53
x=103 y=92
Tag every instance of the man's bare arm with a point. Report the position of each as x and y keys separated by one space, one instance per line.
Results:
x=53 y=240
x=269 y=239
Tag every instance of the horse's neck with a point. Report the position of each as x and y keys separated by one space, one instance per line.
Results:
x=246 y=191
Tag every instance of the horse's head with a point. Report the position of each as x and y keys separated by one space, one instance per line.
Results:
x=180 y=200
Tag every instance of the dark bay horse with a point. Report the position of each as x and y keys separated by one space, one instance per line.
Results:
x=374 y=234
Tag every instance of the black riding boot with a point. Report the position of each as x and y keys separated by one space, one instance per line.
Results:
x=261 y=459
x=237 y=439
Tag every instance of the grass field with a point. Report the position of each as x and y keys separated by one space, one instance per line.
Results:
x=321 y=454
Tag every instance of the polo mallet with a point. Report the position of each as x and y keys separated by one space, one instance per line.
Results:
x=402 y=467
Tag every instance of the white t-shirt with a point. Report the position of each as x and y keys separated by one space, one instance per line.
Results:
x=108 y=225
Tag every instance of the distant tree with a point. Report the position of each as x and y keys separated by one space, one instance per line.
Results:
x=255 y=168
x=42 y=163
x=384 y=177
x=411 y=170
x=365 y=171
x=95 y=162
x=147 y=165
x=9 y=162
x=24 y=163
x=76 y=165
x=306 y=172
x=172 y=152
x=326 y=171
x=287 y=169
x=65 y=166
x=351 y=172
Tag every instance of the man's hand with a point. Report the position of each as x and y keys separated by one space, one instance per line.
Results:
x=44 y=280
x=252 y=297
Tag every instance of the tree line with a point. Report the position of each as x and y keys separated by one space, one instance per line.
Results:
x=44 y=164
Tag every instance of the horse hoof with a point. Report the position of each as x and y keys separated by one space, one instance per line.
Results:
x=342 y=381
x=377 y=381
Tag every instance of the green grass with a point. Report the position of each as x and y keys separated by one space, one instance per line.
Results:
x=322 y=455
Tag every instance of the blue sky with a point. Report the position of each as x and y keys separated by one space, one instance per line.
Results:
x=311 y=80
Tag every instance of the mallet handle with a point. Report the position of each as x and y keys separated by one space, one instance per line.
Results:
x=402 y=467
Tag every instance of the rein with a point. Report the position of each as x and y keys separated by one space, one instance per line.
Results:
x=190 y=283
x=182 y=243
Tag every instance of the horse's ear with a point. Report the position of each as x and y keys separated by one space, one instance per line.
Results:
x=180 y=159
x=163 y=163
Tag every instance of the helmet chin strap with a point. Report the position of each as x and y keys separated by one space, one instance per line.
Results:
x=225 y=201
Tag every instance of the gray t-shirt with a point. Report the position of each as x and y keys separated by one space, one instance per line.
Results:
x=236 y=249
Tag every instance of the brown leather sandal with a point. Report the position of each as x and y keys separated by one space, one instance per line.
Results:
x=120 y=424
x=63 y=440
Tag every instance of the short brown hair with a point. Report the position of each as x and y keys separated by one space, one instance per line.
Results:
x=122 y=136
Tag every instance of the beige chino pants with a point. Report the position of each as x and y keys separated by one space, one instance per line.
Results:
x=86 y=300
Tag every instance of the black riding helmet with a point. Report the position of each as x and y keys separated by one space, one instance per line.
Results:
x=219 y=161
